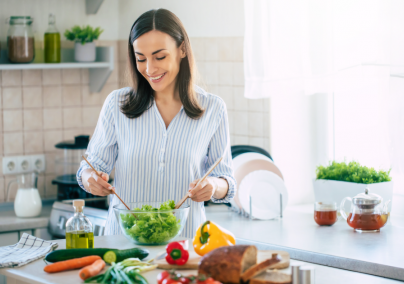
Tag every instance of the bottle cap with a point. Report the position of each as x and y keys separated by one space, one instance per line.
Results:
x=306 y=274
x=78 y=204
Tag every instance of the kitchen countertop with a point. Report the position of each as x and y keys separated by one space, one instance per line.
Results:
x=33 y=272
x=336 y=246
x=10 y=222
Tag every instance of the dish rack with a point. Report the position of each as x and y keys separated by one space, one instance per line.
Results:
x=249 y=214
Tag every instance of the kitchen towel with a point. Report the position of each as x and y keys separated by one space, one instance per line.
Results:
x=28 y=249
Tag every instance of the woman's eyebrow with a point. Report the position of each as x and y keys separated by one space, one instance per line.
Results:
x=157 y=51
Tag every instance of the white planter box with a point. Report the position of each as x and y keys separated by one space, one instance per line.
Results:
x=331 y=190
x=84 y=52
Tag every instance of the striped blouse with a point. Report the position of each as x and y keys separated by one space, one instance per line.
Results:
x=155 y=163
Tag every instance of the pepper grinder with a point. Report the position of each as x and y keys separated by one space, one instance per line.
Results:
x=306 y=274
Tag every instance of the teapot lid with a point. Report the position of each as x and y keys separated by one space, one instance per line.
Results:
x=367 y=198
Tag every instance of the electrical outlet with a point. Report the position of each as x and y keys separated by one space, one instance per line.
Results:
x=38 y=163
x=24 y=164
x=10 y=165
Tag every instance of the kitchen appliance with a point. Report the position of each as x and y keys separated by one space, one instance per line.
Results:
x=27 y=202
x=367 y=213
x=20 y=40
x=62 y=211
x=67 y=163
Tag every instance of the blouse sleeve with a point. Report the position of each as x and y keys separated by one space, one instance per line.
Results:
x=102 y=150
x=220 y=146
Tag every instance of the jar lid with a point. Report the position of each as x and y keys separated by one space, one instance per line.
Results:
x=21 y=20
x=367 y=198
x=80 y=142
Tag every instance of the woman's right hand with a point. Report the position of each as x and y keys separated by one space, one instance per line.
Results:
x=95 y=184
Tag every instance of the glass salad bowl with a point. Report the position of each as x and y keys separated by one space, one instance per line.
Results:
x=151 y=223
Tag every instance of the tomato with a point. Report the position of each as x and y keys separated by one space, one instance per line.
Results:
x=184 y=280
x=170 y=281
x=209 y=280
x=162 y=275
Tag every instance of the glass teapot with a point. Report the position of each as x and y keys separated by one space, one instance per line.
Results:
x=368 y=213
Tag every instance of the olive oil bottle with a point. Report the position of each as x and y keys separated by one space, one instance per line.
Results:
x=79 y=230
x=52 y=42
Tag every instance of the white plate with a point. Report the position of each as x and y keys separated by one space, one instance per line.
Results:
x=265 y=188
x=245 y=157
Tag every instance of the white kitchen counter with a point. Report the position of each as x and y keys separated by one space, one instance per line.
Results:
x=33 y=273
x=10 y=222
x=338 y=246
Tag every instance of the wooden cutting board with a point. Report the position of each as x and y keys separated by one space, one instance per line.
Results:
x=194 y=259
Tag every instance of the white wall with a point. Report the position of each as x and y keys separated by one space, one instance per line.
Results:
x=208 y=18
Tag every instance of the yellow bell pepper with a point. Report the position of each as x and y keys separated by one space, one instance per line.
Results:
x=210 y=236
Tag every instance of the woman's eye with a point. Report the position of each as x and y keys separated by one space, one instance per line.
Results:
x=138 y=60
x=161 y=58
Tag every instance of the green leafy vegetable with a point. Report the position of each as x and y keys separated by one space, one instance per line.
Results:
x=83 y=34
x=352 y=172
x=154 y=227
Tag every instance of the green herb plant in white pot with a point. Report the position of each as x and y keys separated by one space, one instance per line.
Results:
x=339 y=180
x=84 y=47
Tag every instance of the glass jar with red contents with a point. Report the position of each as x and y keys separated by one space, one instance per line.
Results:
x=325 y=213
x=368 y=213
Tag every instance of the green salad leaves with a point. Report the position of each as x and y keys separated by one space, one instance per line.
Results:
x=352 y=172
x=154 y=227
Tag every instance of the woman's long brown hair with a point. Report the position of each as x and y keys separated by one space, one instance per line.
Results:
x=141 y=97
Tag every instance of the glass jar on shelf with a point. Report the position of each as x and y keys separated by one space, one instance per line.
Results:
x=20 y=40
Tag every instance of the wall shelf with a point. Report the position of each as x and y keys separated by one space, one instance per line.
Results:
x=99 y=70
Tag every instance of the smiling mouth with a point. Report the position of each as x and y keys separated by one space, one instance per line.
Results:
x=157 y=77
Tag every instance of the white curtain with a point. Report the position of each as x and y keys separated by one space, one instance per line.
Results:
x=349 y=50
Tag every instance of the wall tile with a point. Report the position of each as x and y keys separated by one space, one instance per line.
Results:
x=239 y=49
x=255 y=124
x=267 y=145
x=0 y=78
x=69 y=134
x=226 y=48
x=12 y=120
x=50 y=163
x=13 y=143
x=211 y=49
x=106 y=90
x=31 y=77
x=238 y=73
x=255 y=105
x=256 y=141
x=52 y=118
x=33 y=142
x=197 y=44
x=241 y=123
x=90 y=116
x=123 y=77
x=33 y=119
x=51 y=138
x=231 y=115
x=211 y=73
x=12 y=97
x=11 y=78
x=1 y=96
x=200 y=78
x=88 y=131
x=71 y=95
x=50 y=189
x=89 y=98
x=113 y=78
x=32 y=97
x=85 y=76
x=240 y=102
x=226 y=93
x=51 y=77
x=52 y=96
x=1 y=153
x=122 y=50
x=72 y=117
x=226 y=73
x=2 y=190
x=71 y=76
x=240 y=140
x=232 y=140
x=266 y=125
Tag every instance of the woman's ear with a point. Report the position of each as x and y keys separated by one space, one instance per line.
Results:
x=182 y=48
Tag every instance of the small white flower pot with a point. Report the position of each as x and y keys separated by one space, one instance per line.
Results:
x=332 y=190
x=84 y=52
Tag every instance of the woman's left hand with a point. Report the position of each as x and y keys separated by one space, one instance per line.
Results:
x=204 y=191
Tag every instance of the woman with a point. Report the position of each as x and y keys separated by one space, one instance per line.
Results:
x=164 y=132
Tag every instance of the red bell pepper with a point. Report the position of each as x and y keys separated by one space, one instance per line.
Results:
x=176 y=253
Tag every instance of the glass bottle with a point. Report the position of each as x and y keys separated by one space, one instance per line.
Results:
x=79 y=230
x=52 y=42
x=20 y=40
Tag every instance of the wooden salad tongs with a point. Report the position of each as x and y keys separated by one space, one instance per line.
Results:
x=96 y=172
x=178 y=205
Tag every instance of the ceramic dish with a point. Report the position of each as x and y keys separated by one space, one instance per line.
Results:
x=265 y=188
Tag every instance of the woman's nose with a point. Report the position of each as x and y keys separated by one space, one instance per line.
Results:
x=150 y=67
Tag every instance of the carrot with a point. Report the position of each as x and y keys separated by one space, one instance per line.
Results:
x=92 y=270
x=71 y=264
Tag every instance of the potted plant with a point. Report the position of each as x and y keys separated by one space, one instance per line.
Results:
x=339 y=180
x=84 y=48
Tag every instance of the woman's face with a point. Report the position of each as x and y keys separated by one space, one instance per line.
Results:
x=158 y=59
